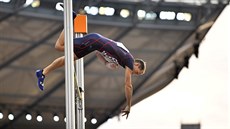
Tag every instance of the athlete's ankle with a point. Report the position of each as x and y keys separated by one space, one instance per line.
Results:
x=44 y=72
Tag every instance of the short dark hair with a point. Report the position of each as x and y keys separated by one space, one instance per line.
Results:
x=142 y=64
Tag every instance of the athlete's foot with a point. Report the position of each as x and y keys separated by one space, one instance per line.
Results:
x=41 y=78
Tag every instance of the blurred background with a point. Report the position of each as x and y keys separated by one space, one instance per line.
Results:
x=184 y=42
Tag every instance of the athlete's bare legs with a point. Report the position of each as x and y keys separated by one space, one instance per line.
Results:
x=57 y=63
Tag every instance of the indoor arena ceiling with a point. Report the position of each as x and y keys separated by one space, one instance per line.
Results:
x=164 y=33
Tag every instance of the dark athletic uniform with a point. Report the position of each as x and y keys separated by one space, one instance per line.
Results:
x=113 y=52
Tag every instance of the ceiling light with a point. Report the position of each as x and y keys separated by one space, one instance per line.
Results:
x=102 y=10
x=35 y=4
x=167 y=15
x=56 y=117
x=86 y=8
x=184 y=16
x=1 y=115
x=187 y=16
x=5 y=1
x=59 y=7
x=141 y=14
x=28 y=116
x=28 y=2
x=180 y=16
x=93 y=10
x=109 y=11
x=39 y=118
x=93 y=120
x=124 y=13
x=150 y=16
x=11 y=116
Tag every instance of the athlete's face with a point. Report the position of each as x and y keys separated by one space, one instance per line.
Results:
x=136 y=69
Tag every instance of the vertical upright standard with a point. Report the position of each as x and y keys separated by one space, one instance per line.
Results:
x=80 y=28
x=69 y=65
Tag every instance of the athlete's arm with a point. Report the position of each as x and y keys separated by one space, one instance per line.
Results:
x=128 y=91
x=100 y=57
x=109 y=65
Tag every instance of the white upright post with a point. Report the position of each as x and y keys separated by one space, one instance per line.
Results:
x=80 y=28
x=69 y=65
x=80 y=82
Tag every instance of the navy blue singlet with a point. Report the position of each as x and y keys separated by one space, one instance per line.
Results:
x=112 y=51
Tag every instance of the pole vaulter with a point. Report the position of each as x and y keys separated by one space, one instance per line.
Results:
x=111 y=53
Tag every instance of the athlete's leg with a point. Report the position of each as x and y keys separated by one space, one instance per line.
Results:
x=59 y=45
x=57 y=63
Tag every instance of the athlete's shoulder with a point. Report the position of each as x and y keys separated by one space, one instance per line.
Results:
x=129 y=61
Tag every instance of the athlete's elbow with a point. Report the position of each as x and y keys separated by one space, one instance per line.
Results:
x=129 y=85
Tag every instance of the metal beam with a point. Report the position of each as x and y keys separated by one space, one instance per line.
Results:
x=14 y=12
x=23 y=96
x=12 y=40
x=27 y=50
x=41 y=108
x=138 y=51
x=117 y=20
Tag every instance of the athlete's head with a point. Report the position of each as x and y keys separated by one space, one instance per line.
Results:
x=139 y=67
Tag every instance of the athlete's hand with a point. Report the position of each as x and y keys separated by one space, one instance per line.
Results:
x=126 y=111
x=111 y=66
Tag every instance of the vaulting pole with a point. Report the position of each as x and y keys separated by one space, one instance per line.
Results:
x=69 y=65
x=80 y=28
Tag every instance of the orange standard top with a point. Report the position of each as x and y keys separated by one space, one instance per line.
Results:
x=80 y=24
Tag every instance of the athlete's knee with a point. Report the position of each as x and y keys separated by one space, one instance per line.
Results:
x=75 y=57
x=58 y=45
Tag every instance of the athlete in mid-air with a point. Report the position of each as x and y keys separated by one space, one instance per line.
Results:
x=109 y=52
